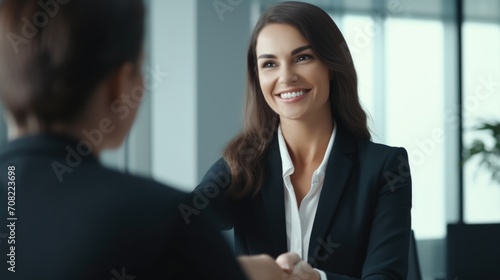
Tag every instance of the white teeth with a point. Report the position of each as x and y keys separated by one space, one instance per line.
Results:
x=288 y=95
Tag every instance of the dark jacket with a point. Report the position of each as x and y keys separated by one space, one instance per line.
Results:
x=79 y=220
x=362 y=225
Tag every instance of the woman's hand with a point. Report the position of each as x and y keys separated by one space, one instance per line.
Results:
x=261 y=267
x=296 y=268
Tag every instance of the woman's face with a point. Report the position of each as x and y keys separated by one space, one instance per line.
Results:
x=295 y=83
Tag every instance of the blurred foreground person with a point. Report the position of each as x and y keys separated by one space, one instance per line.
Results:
x=71 y=82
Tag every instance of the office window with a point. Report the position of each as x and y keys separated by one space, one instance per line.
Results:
x=481 y=103
x=415 y=118
x=400 y=66
x=360 y=33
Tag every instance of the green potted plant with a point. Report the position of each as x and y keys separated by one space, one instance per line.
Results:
x=489 y=154
x=472 y=249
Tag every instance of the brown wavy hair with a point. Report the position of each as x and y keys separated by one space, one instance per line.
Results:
x=245 y=152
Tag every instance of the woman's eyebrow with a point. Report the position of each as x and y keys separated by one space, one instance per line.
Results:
x=299 y=49
x=294 y=52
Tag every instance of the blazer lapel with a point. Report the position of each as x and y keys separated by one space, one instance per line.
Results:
x=273 y=196
x=337 y=172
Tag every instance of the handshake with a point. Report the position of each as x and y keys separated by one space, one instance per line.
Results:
x=287 y=266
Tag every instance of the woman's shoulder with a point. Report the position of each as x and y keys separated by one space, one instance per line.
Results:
x=218 y=172
x=374 y=147
x=368 y=149
x=218 y=166
x=347 y=142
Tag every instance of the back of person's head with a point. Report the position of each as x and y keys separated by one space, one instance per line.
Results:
x=55 y=53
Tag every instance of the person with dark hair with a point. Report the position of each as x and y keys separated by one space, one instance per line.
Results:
x=71 y=82
x=305 y=184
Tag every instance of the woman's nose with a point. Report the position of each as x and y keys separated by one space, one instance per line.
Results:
x=287 y=75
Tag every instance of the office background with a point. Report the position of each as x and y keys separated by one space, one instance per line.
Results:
x=414 y=70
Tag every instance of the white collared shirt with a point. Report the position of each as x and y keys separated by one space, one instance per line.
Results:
x=299 y=221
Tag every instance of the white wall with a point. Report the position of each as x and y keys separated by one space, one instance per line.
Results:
x=173 y=109
x=196 y=108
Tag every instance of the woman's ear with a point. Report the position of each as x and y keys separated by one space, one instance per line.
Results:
x=120 y=82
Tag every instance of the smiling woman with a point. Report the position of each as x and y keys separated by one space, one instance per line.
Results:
x=292 y=73
x=307 y=186
x=298 y=25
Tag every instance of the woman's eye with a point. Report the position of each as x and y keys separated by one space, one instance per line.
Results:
x=304 y=57
x=268 y=64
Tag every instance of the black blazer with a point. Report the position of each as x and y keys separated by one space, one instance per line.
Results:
x=362 y=224
x=98 y=223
